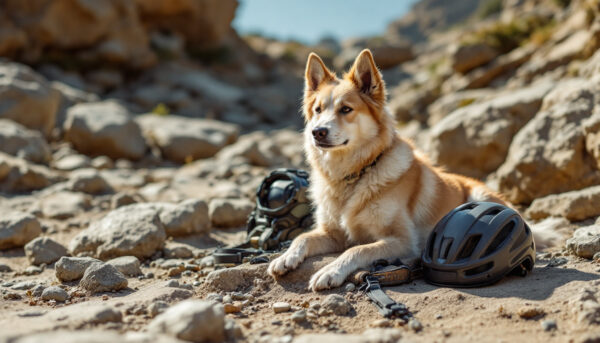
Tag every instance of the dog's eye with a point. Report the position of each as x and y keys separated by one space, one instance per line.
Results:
x=318 y=109
x=346 y=110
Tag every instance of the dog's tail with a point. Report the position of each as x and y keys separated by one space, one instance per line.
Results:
x=545 y=233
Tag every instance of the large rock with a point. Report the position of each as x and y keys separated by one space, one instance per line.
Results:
x=91 y=32
x=574 y=205
x=63 y=205
x=17 y=229
x=44 y=250
x=189 y=17
x=27 y=97
x=72 y=268
x=18 y=175
x=185 y=139
x=104 y=128
x=192 y=320
x=585 y=241
x=474 y=140
x=18 y=141
x=102 y=277
x=229 y=212
x=549 y=155
x=186 y=218
x=134 y=230
x=470 y=56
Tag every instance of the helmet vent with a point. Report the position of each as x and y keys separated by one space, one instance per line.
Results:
x=493 y=212
x=431 y=244
x=478 y=270
x=469 y=247
x=500 y=238
x=522 y=237
x=445 y=248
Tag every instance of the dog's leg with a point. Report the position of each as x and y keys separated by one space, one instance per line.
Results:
x=316 y=242
x=361 y=256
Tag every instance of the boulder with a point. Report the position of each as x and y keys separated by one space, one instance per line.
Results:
x=18 y=175
x=183 y=139
x=450 y=102
x=188 y=217
x=548 y=155
x=104 y=128
x=72 y=268
x=474 y=140
x=17 y=229
x=470 y=56
x=27 y=98
x=18 y=141
x=102 y=277
x=585 y=241
x=192 y=320
x=134 y=230
x=44 y=250
x=229 y=212
x=410 y=101
x=574 y=205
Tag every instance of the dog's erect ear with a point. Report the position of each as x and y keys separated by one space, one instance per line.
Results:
x=365 y=75
x=316 y=73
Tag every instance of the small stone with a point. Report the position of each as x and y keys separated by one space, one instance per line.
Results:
x=44 y=250
x=557 y=261
x=55 y=293
x=299 y=316
x=281 y=306
x=128 y=265
x=5 y=268
x=192 y=320
x=350 y=287
x=33 y=270
x=23 y=285
x=233 y=330
x=12 y=296
x=172 y=283
x=157 y=308
x=549 y=325
x=72 y=268
x=438 y=316
x=337 y=304
x=527 y=312
x=415 y=325
x=232 y=308
x=214 y=297
x=103 y=277
x=228 y=299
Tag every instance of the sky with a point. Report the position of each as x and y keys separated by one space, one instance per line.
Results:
x=309 y=20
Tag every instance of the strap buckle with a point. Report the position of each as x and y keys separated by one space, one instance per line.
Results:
x=386 y=305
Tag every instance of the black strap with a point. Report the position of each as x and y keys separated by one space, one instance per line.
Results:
x=387 y=306
x=234 y=255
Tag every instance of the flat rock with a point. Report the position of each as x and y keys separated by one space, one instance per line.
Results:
x=104 y=128
x=72 y=268
x=88 y=181
x=132 y=230
x=128 y=265
x=183 y=139
x=102 y=277
x=72 y=162
x=19 y=175
x=44 y=250
x=192 y=320
x=64 y=204
x=574 y=206
x=17 y=229
x=585 y=241
x=231 y=279
x=19 y=141
x=229 y=212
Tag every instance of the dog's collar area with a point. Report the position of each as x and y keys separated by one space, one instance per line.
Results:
x=354 y=177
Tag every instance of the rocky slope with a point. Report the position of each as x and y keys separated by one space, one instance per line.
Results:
x=133 y=135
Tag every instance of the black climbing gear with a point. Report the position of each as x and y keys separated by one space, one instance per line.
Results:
x=383 y=274
x=283 y=211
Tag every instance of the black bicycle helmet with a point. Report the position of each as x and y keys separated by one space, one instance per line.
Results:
x=477 y=244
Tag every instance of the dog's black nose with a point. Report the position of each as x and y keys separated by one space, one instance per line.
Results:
x=320 y=133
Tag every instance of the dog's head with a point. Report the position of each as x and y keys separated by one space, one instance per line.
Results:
x=343 y=113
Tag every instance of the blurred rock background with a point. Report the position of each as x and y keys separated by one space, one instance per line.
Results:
x=158 y=116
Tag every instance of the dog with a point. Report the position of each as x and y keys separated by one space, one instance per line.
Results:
x=376 y=196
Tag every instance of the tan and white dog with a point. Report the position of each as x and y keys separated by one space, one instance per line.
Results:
x=376 y=196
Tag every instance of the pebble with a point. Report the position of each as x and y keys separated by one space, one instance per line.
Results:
x=102 y=278
x=33 y=270
x=191 y=320
x=228 y=299
x=281 y=306
x=232 y=308
x=337 y=304
x=350 y=287
x=24 y=285
x=527 y=312
x=5 y=268
x=438 y=316
x=172 y=283
x=214 y=297
x=415 y=325
x=55 y=293
x=549 y=325
x=299 y=316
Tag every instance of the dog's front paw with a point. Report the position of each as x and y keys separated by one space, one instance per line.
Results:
x=284 y=263
x=330 y=276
